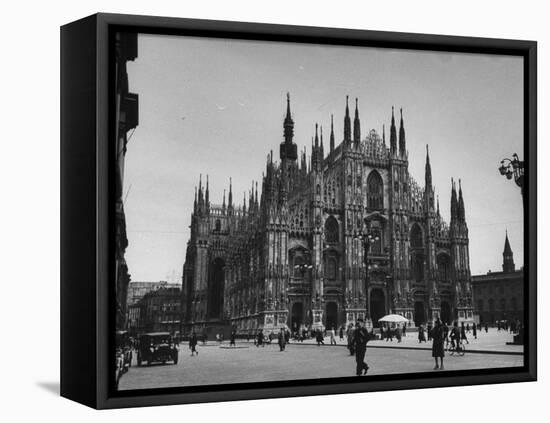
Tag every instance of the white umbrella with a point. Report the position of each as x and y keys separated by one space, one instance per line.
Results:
x=393 y=318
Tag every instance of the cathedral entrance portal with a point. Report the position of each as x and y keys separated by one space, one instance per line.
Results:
x=332 y=315
x=419 y=313
x=215 y=289
x=446 y=312
x=296 y=316
x=377 y=306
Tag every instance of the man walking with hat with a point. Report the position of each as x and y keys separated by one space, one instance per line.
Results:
x=360 y=339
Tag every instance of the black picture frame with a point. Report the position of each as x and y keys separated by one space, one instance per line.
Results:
x=87 y=218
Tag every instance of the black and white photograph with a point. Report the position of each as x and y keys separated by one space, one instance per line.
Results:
x=297 y=211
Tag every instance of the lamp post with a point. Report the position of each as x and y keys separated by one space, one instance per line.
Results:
x=513 y=168
x=367 y=239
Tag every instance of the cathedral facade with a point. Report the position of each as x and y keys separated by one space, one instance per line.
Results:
x=295 y=255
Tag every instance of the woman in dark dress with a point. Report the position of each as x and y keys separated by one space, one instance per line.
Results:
x=438 y=351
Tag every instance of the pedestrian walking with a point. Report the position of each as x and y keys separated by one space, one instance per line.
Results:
x=341 y=333
x=429 y=330
x=232 y=338
x=398 y=334
x=361 y=337
x=389 y=334
x=332 y=336
x=474 y=330
x=437 y=344
x=405 y=329
x=445 y=334
x=281 y=339
x=421 y=334
x=486 y=327
x=319 y=338
x=260 y=339
x=463 y=333
x=287 y=336
x=350 y=332
x=455 y=336
x=382 y=332
x=468 y=328
x=193 y=344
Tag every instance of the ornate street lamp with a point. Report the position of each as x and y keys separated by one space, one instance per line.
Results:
x=513 y=168
x=367 y=239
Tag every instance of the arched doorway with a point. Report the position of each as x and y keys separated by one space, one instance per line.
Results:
x=419 y=313
x=377 y=305
x=296 y=316
x=446 y=312
x=331 y=315
x=215 y=289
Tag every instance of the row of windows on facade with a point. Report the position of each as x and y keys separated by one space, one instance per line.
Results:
x=513 y=304
x=331 y=268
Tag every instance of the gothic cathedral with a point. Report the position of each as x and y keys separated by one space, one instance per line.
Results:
x=295 y=256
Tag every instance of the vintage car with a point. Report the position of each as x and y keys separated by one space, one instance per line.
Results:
x=156 y=347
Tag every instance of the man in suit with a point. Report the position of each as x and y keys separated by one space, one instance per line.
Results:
x=282 y=340
x=360 y=339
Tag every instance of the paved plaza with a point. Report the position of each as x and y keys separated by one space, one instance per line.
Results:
x=217 y=364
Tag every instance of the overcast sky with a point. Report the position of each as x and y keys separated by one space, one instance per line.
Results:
x=217 y=107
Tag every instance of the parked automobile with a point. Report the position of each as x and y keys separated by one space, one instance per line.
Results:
x=156 y=347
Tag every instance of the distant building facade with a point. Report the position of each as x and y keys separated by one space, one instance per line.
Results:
x=499 y=295
x=126 y=119
x=293 y=255
x=159 y=311
x=137 y=290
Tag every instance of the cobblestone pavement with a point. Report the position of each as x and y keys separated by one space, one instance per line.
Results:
x=247 y=363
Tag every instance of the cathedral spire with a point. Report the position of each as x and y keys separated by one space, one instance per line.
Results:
x=461 y=213
x=383 y=134
x=288 y=149
x=257 y=205
x=223 y=204
x=207 y=196
x=316 y=136
x=195 y=202
x=454 y=203
x=331 y=133
x=402 y=144
x=200 y=193
x=347 y=124
x=289 y=123
x=393 y=134
x=322 y=148
x=230 y=197
x=356 y=125
x=428 y=172
x=438 y=213
x=508 y=257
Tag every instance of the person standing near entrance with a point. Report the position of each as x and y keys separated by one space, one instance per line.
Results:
x=437 y=345
x=360 y=339
x=193 y=344
x=342 y=333
x=474 y=330
x=282 y=339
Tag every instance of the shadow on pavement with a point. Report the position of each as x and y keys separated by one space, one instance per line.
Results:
x=51 y=387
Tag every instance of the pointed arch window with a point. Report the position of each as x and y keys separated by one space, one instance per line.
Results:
x=443 y=267
x=375 y=191
x=331 y=230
